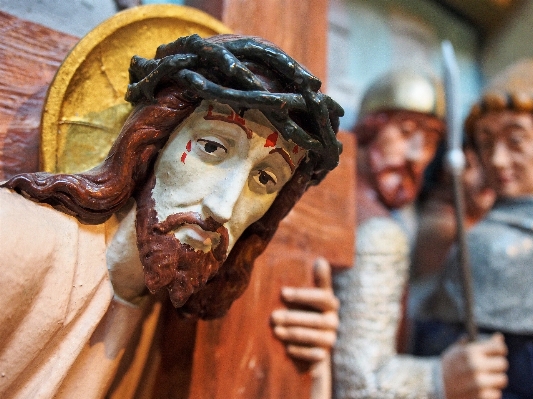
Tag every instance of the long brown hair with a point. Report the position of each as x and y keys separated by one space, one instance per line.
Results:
x=92 y=197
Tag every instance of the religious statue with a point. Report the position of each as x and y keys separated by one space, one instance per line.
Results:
x=225 y=135
x=500 y=129
x=398 y=132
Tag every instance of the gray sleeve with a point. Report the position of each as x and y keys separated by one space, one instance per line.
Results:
x=366 y=364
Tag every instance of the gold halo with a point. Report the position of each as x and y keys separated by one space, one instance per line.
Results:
x=85 y=105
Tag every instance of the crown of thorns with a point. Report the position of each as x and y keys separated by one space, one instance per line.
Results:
x=219 y=69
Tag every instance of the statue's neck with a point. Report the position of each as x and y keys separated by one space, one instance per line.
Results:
x=122 y=256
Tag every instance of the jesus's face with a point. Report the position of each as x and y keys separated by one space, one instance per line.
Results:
x=217 y=174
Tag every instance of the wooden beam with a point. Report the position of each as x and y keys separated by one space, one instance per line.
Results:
x=30 y=54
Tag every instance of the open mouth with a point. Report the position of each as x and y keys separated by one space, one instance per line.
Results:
x=197 y=237
x=390 y=180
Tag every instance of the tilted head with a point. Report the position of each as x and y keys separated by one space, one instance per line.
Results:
x=218 y=173
x=226 y=109
x=399 y=128
x=500 y=129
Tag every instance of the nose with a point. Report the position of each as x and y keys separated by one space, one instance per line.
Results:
x=392 y=147
x=414 y=150
x=500 y=155
x=220 y=202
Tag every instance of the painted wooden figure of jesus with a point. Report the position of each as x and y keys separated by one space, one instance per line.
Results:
x=225 y=135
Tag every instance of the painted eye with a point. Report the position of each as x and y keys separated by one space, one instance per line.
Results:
x=408 y=127
x=212 y=147
x=516 y=138
x=265 y=181
x=264 y=177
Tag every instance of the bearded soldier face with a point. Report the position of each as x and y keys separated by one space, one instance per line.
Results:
x=398 y=156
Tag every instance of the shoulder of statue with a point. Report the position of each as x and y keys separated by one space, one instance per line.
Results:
x=382 y=234
x=23 y=214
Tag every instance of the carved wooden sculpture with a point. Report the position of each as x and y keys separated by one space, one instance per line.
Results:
x=274 y=137
x=287 y=261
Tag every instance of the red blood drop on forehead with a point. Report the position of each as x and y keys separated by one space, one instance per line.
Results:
x=188 y=146
x=183 y=156
x=238 y=119
x=295 y=149
x=272 y=140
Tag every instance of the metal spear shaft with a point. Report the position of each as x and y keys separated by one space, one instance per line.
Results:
x=455 y=160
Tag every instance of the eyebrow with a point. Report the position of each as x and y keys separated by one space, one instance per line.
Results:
x=231 y=118
x=285 y=156
x=241 y=122
x=514 y=125
x=504 y=128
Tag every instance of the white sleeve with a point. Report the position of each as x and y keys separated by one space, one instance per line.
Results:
x=366 y=364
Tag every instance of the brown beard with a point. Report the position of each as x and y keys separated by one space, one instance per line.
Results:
x=166 y=261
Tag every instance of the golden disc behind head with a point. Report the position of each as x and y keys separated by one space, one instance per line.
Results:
x=85 y=107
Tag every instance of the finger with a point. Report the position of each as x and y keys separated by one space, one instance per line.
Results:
x=479 y=362
x=322 y=273
x=491 y=381
x=493 y=364
x=490 y=394
x=308 y=354
x=306 y=336
x=317 y=298
x=325 y=321
x=495 y=350
x=496 y=345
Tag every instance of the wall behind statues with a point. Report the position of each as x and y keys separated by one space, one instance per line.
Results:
x=179 y=2
x=511 y=42
x=368 y=38
x=75 y=17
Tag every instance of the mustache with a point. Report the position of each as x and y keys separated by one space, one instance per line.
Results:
x=406 y=169
x=179 y=219
x=403 y=169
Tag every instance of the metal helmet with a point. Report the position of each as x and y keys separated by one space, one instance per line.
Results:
x=404 y=90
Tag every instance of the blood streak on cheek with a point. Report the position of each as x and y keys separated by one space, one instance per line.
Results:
x=188 y=148
x=271 y=140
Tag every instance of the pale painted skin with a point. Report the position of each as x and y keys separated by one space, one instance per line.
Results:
x=210 y=167
x=505 y=143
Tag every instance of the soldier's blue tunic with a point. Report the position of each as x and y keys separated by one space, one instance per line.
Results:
x=501 y=259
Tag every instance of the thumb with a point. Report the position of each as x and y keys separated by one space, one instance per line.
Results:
x=322 y=273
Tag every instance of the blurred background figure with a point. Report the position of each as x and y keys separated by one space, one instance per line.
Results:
x=500 y=128
x=398 y=134
x=437 y=229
